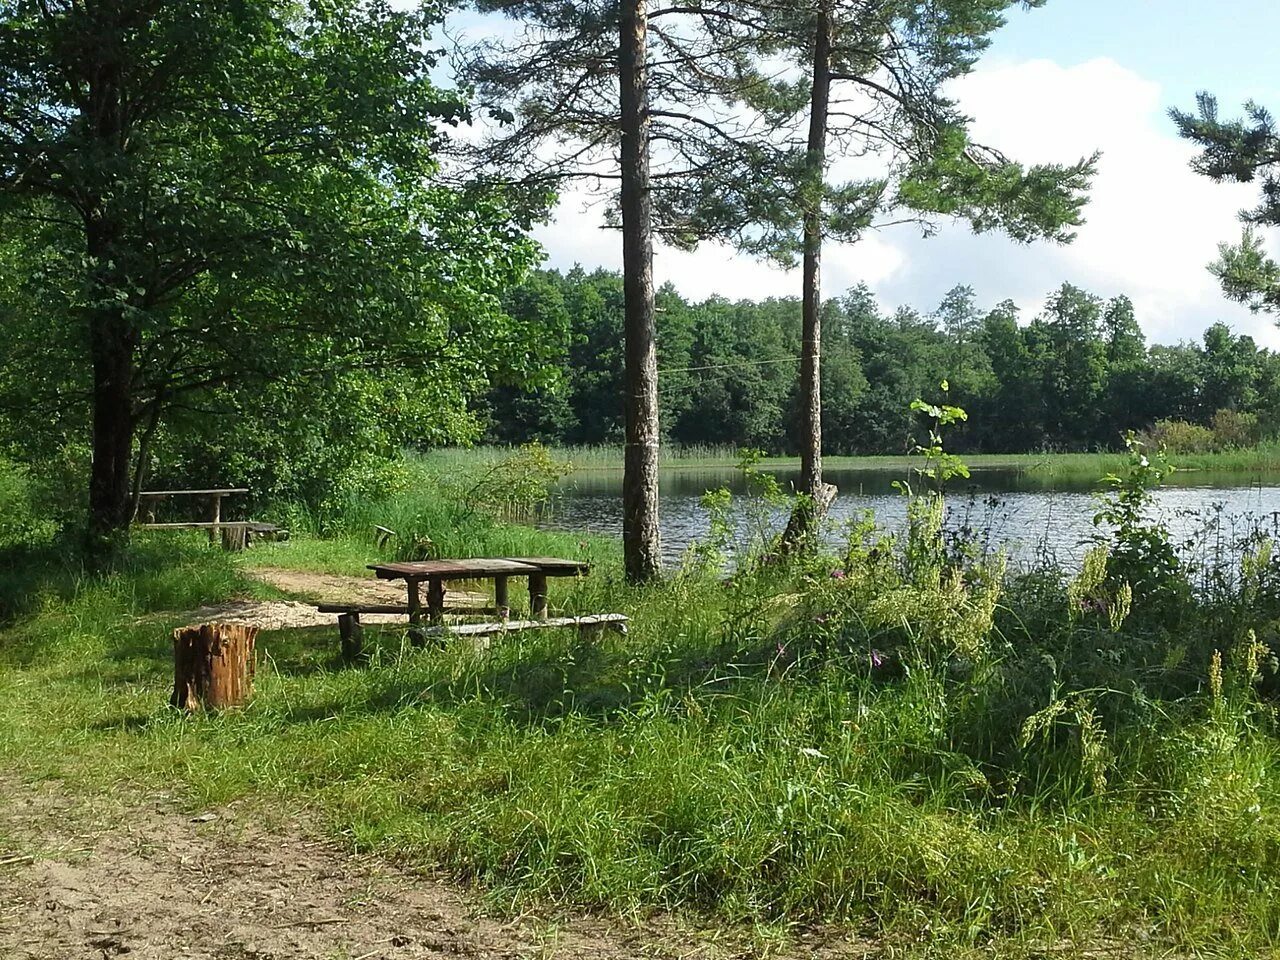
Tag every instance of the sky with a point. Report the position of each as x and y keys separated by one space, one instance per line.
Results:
x=1058 y=83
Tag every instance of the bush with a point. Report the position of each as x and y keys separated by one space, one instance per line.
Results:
x=1179 y=436
x=1233 y=430
x=22 y=521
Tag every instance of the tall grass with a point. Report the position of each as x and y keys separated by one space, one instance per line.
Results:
x=1263 y=459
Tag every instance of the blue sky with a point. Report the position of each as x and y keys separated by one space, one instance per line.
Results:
x=1227 y=46
x=1059 y=82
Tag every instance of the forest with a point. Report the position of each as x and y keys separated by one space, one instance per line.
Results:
x=1076 y=376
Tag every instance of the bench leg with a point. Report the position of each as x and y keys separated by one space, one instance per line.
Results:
x=590 y=632
x=352 y=636
x=435 y=601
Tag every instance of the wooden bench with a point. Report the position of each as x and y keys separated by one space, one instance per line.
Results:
x=351 y=631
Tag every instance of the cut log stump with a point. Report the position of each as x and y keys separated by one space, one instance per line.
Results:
x=213 y=666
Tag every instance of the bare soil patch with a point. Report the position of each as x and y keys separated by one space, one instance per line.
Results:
x=106 y=879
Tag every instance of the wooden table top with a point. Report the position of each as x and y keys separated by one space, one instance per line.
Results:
x=452 y=569
x=554 y=566
x=478 y=567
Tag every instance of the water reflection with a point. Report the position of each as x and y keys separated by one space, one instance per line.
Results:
x=1029 y=516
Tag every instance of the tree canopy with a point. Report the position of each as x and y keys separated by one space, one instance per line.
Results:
x=233 y=207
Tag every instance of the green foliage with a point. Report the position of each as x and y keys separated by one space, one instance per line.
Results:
x=939 y=466
x=515 y=487
x=1243 y=151
x=258 y=242
x=946 y=757
x=1142 y=555
x=1077 y=377
x=21 y=520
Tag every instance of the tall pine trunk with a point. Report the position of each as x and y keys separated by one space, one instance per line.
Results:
x=815 y=495
x=641 y=545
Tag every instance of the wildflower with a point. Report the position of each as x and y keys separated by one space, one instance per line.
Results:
x=877 y=659
x=837 y=574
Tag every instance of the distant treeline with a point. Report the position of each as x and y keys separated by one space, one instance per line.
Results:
x=1075 y=377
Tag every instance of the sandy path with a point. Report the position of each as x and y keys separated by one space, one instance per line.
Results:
x=106 y=879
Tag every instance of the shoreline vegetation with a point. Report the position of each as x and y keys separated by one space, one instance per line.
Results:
x=1263 y=459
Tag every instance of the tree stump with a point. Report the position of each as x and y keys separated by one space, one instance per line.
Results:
x=213 y=665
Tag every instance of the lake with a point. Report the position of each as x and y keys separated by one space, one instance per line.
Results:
x=1023 y=512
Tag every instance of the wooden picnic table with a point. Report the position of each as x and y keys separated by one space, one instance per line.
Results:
x=436 y=573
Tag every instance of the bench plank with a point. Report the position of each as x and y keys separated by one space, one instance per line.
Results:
x=400 y=608
x=611 y=621
x=555 y=566
x=226 y=491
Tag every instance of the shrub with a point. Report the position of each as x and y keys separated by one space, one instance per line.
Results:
x=1179 y=436
x=1233 y=430
x=22 y=521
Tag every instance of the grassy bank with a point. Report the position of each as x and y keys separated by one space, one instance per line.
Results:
x=952 y=764
x=1262 y=460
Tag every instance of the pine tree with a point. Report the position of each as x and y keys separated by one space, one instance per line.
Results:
x=1242 y=151
x=598 y=92
x=868 y=79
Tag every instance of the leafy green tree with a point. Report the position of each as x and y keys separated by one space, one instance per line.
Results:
x=1014 y=416
x=1075 y=368
x=1126 y=363
x=1228 y=366
x=239 y=192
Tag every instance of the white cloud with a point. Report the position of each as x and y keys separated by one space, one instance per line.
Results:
x=1153 y=224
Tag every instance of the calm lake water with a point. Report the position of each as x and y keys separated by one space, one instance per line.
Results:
x=1019 y=512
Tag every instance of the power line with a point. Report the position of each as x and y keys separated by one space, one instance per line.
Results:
x=727 y=366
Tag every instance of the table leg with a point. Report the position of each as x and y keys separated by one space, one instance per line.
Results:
x=215 y=516
x=538 y=596
x=500 y=597
x=416 y=636
x=435 y=600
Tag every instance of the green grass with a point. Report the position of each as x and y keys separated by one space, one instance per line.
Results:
x=1263 y=459
x=735 y=757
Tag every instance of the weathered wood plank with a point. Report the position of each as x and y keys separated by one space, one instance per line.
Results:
x=226 y=491
x=611 y=621
x=555 y=566
x=478 y=567
x=394 y=608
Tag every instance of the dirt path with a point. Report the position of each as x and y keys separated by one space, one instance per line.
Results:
x=105 y=879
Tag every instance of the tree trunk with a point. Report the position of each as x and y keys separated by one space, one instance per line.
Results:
x=641 y=545
x=110 y=489
x=112 y=332
x=815 y=496
x=213 y=666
